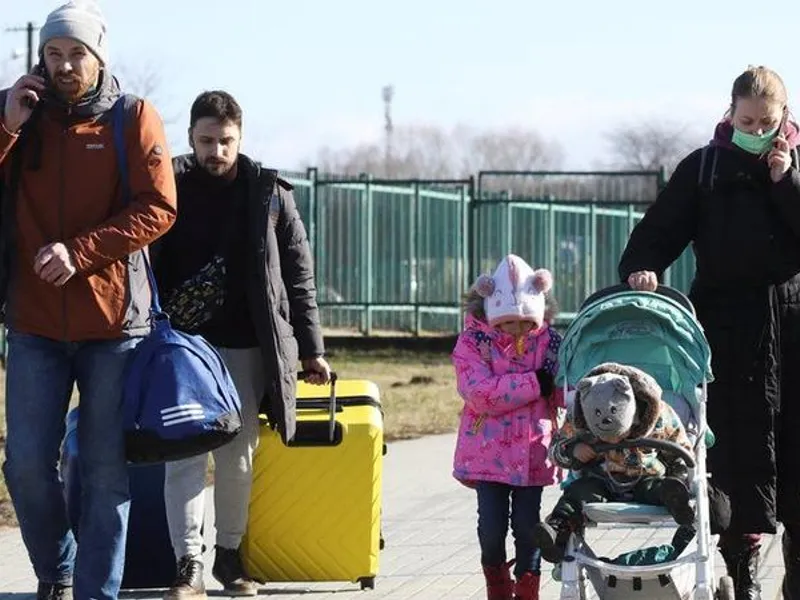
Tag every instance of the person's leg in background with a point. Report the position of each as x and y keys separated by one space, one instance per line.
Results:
x=493 y=516
x=526 y=504
x=105 y=498
x=742 y=488
x=741 y=553
x=39 y=382
x=234 y=472
x=788 y=492
x=184 y=498
x=791 y=561
x=788 y=468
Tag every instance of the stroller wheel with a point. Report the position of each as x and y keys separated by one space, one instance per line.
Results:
x=725 y=590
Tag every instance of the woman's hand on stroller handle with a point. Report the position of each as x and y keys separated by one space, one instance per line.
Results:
x=643 y=281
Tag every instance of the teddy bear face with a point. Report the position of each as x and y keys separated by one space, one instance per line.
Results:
x=608 y=405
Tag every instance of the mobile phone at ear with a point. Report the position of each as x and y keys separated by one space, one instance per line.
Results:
x=41 y=71
x=782 y=124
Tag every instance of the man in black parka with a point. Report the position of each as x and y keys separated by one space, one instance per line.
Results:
x=738 y=202
x=236 y=269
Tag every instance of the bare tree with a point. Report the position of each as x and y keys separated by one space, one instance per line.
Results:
x=425 y=152
x=421 y=151
x=648 y=146
x=147 y=81
x=512 y=149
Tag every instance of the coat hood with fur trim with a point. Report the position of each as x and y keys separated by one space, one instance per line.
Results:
x=646 y=392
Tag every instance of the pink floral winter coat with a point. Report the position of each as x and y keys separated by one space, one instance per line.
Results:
x=506 y=425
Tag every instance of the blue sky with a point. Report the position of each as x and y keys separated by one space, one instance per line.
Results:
x=310 y=73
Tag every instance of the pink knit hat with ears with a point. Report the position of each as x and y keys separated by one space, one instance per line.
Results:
x=515 y=291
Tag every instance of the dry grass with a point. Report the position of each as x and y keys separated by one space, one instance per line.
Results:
x=417 y=389
x=417 y=392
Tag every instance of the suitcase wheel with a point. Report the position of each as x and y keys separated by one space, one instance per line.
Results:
x=367 y=583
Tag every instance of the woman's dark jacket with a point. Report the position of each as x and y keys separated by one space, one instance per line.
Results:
x=745 y=234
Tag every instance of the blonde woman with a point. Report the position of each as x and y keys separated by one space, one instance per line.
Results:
x=738 y=202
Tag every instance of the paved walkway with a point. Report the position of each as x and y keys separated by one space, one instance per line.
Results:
x=431 y=547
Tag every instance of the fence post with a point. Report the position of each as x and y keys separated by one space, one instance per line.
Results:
x=473 y=222
x=508 y=226
x=366 y=255
x=591 y=279
x=551 y=236
x=662 y=178
x=467 y=242
x=631 y=219
x=415 y=226
x=313 y=219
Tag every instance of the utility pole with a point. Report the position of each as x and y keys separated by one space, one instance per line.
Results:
x=388 y=94
x=29 y=29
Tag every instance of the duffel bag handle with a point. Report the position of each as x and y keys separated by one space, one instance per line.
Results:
x=332 y=402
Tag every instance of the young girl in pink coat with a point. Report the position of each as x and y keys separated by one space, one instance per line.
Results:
x=506 y=362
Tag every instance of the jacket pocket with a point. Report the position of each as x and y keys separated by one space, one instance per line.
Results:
x=285 y=329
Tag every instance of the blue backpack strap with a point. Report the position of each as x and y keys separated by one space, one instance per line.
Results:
x=122 y=107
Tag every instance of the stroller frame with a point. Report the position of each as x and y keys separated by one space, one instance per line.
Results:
x=694 y=567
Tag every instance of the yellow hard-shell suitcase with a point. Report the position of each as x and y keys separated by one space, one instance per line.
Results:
x=315 y=506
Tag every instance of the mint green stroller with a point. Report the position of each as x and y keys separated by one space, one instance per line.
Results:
x=658 y=333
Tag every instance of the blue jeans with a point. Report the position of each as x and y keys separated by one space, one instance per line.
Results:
x=39 y=380
x=494 y=502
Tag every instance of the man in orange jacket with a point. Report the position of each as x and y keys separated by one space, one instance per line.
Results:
x=75 y=293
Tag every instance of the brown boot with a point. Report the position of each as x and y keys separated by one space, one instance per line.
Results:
x=499 y=585
x=527 y=587
x=188 y=584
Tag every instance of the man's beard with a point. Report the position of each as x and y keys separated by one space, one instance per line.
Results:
x=72 y=89
x=217 y=168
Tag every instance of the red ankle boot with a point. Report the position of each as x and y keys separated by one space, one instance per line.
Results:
x=499 y=585
x=527 y=587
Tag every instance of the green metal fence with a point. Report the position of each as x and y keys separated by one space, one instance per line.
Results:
x=574 y=223
x=390 y=255
x=395 y=256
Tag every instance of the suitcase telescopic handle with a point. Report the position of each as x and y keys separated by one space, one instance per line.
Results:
x=332 y=402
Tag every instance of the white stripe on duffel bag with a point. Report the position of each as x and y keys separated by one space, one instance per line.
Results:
x=181 y=408
x=183 y=419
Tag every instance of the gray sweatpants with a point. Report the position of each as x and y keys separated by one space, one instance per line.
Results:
x=185 y=479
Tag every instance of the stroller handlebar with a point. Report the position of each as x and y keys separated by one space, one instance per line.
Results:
x=662 y=290
x=670 y=447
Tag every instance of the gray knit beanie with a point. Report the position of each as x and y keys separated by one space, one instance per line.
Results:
x=79 y=20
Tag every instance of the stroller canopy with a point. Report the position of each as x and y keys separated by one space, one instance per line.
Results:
x=650 y=331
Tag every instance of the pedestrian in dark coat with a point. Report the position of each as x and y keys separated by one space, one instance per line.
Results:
x=238 y=270
x=737 y=201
